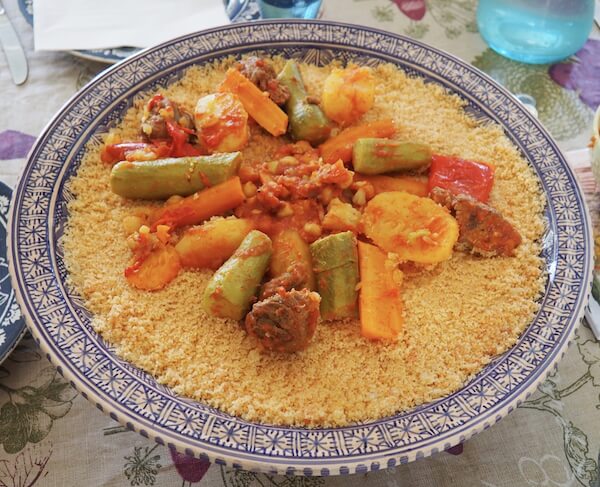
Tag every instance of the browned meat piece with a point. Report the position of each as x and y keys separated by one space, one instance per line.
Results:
x=263 y=75
x=285 y=322
x=482 y=229
x=293 y=278
x=278 y=93
x=442 y=197
x=156 y=113
x=271 y=194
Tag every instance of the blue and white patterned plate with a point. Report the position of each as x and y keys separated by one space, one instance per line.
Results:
x=61 y=324
x=237 y=10
x=12 y=324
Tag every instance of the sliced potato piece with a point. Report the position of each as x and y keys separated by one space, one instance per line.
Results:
x=221 y=122
x=341 y=217
x=415 y=228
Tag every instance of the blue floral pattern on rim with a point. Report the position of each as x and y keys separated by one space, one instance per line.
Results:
x=62 y=326
x=12 y=325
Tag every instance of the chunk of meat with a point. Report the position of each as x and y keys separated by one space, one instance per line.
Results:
x=263 y=75
x=271 y=194
x=157 y=112
x=294 y=278
x=286 y=321
x=482 y=229
x=442 y=197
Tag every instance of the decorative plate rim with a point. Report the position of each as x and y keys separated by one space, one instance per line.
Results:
x=13 y=331
x=316 y=34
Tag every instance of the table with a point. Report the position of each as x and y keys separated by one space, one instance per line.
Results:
x=552 y=439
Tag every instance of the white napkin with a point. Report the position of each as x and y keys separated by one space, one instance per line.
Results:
x=93 y=24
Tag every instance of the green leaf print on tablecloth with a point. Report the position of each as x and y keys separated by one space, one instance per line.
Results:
x=242 y=478
x=452 y=16
x=383 y=14
x=560 y=110
x=142 y=467
x=576 y=443
x=577 y=450
x=590 y=353
x=28 y=414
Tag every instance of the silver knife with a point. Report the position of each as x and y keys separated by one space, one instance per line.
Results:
x=592 y=310
x=592 y=316
x=15 y=56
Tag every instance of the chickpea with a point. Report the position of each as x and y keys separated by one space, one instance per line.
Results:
x=249 y=189
x=173 y=200
x=313 y=229
x=359 y=198
x=131 y=224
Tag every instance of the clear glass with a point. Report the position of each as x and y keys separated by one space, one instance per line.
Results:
x=282 y=9
x=535 y=31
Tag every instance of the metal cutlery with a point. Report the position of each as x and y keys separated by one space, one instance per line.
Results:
x=592 y=316
x=15 y=55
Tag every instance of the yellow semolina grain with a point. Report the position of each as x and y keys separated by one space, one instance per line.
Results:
x=458 y=315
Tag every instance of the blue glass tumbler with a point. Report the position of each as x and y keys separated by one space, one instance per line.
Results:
x=535 y=31
x=281 y=9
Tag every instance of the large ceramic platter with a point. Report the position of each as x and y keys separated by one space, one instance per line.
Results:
x=61 y=324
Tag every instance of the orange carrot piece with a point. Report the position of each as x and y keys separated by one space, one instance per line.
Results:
x=380 y=303
x=340 y=146
x=416 y=185
x=154 y=272
x=201 y=205
x=257 y=103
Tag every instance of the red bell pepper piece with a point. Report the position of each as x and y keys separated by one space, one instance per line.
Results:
x=179 y=135
x=460 y=176
x=176 y=145
x=155 y=100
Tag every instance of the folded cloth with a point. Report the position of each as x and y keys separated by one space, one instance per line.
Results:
x=90 y=24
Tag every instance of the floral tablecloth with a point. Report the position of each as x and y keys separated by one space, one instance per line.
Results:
x=51 y=436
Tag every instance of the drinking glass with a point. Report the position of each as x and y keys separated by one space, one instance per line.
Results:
x=280 y=9
x=535 y=31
